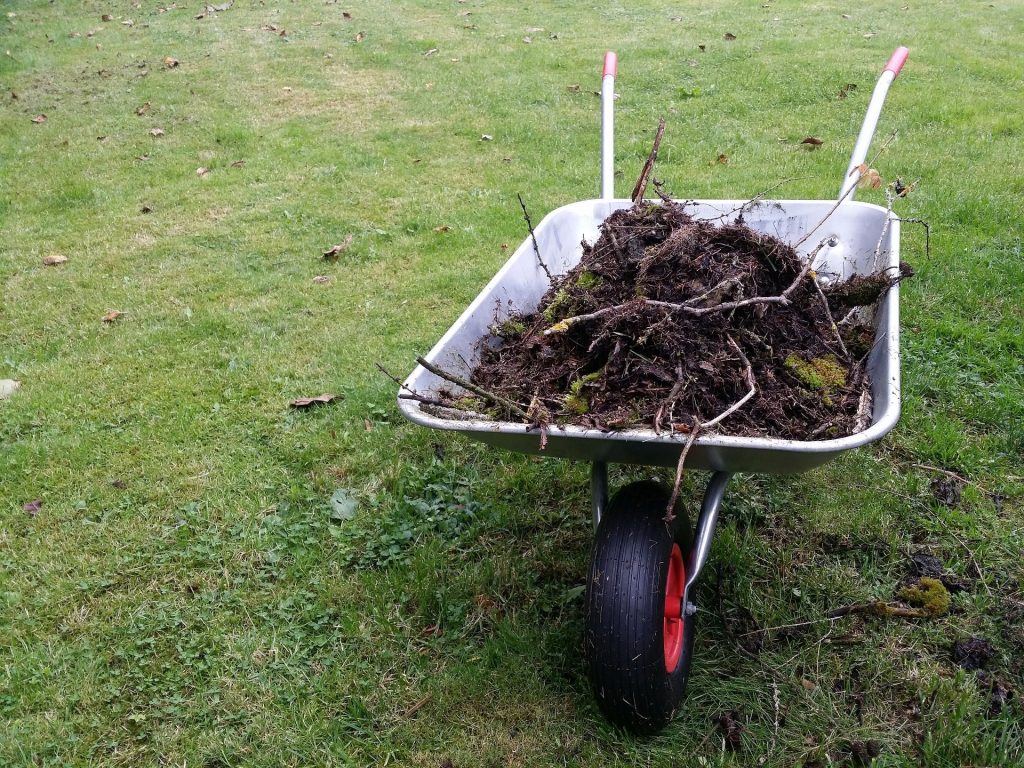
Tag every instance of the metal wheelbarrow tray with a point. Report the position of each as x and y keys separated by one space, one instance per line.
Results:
x=640 y=604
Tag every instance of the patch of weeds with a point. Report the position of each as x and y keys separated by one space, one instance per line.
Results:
x=439 y=504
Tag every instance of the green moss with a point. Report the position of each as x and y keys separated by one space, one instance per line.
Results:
x=588 y=281
x=576 y=402
x=824 y=374
x=929 y=594
x=560 y=306
x=508 y=328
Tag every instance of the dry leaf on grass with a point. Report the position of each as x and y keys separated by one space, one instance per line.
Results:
x=33 y=507
x=106 y=17
x=202 y=171
x=143 y=108
x=335 y=251
x=112 y=315
x=360 y=36
x=728 y=36
x=443 y=228
x=346 y=15
x=170 y=62
x=8 y=387
x=156 y=132
x=39 y=119
x=309 y=402
x=486 y=137
x=723 y=159
x=869 y=177
x=813 y=141
x=321 y=279
x=54 y=260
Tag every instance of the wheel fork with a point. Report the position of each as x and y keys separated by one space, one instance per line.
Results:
x=703 y=532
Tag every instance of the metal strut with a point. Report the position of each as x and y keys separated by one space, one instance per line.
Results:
x=702 y=534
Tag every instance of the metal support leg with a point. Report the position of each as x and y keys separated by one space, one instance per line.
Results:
x=703 y=533
x=599 y=489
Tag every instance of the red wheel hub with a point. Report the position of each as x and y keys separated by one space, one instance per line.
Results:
x=674 y=622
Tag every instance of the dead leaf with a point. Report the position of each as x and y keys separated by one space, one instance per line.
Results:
x=703 y=48
x=527 y=39
x=360 y=36
x=807 y=684
x=8 y=387
x=146 y=209
x=869 y=178
x=321 y=279
x=723 y=159
x=431 y=52
x=846 y=15
x=814 y=141
x=156 y=132
x=170 y=62
x=199 y=16
x=869 y=35
x=39 y=119
x=14 y=96
x=728 y=36
x=574 y=88
x=127 y=23
x=443 y=228
x=238 y=163
x=309 y=402
x=486 y=137
x=112 y=315
x=847 y=89
x=336 y=250
x=106 y=17
x=54 y=260
x=368 y=425
x=143 y=108
x=202 y=171
x=346 y=15
x=119 y=484
x=33 y=507
x=268 y=28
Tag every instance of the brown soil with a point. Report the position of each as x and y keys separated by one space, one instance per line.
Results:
x=670 y=338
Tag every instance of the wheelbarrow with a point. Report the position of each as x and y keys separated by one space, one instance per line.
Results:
x=640 y=602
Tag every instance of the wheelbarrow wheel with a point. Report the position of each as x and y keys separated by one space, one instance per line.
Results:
x=639 y=641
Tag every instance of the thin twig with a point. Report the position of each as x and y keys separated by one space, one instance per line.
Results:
x=790 y=626
x=563 y=325
x=641 y=183
x=533 y=236
x=418 y=705
x=670 y=508
x=468 y=385
x=974 y=561
x=824 y=218
x=828 y=314
x=748 y=375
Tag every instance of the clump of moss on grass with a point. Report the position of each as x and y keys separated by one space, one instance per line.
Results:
x=929 y=594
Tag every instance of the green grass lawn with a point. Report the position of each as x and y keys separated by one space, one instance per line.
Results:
x=187 y=593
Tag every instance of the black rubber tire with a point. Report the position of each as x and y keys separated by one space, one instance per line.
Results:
x=625 y=610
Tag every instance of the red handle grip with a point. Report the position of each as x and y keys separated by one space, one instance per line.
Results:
x=611 y=63
x=897 y=60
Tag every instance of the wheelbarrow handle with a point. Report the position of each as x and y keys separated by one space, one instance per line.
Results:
x=611 y=63
x=867 y=131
